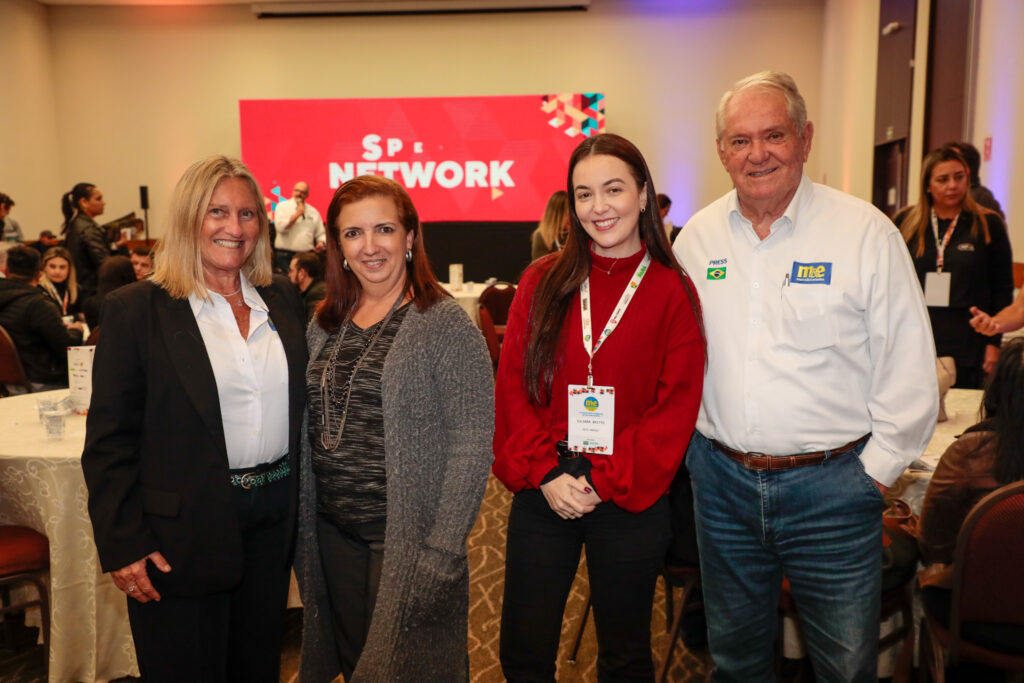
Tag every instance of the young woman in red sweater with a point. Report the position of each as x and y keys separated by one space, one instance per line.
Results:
x=597 y=395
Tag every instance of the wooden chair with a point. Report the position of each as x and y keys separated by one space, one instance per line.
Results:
x=896 y=600
x=25 y=558
x=11 y=370
x=987 y=588
x=497 y=299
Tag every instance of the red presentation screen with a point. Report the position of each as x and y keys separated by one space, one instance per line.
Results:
x=461 y=158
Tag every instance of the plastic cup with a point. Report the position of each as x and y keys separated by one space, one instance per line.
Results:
x=43 y=405
x=53 y=421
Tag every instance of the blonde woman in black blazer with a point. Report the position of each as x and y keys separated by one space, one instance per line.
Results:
x=200 y=545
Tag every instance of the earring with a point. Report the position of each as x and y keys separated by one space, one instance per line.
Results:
x=408 y=255
x=344 y=264
x=642 y=209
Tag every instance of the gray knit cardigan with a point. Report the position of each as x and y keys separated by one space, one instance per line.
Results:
x=437 y=396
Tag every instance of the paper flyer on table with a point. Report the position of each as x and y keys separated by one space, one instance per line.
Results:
x=80 y=376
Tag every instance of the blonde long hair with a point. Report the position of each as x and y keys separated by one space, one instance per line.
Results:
x=178 y=258
x=556 y=218
x=71 y=282
x=917 y=220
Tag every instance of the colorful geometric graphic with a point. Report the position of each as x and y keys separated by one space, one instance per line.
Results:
x=716 y=273
x=578 y=113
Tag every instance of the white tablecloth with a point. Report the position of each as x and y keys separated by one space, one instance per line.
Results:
x=41 y=486
x=468 y=297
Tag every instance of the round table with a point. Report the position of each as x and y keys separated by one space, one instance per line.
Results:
x=42 y=487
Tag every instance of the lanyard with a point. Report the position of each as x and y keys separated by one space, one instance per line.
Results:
x=940 y=247
x=613 y=322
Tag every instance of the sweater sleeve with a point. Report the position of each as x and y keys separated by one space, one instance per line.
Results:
x=464 y=387
x=648 y=452
x=95 y=243
x=524 y=448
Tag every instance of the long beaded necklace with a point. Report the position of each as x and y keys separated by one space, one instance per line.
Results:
x=329 y=393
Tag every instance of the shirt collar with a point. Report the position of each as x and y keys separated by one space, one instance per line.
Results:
x=789 y=217
x=251 y=297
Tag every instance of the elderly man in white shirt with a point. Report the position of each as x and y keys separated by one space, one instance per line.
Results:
x=299 y=227
x=820 y=390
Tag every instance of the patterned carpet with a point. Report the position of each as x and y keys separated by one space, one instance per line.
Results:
x=487 y=570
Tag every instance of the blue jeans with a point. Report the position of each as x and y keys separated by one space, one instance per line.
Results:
x=821 y=527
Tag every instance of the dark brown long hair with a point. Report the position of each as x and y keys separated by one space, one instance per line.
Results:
x=1003 y=406
x=917 y=220
x=343 y=288
x=557 y=286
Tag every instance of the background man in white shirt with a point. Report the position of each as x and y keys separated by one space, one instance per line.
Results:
x=820 y=389
x=299 y=227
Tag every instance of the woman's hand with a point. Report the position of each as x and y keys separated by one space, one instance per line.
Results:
x=563 y=494
x=589 y=497
x=983 y=323
x=134 y=580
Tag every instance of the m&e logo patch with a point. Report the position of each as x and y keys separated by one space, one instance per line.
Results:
x=811 y=273
x=716 y=273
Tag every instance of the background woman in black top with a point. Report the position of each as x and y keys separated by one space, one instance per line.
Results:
x=948 y=232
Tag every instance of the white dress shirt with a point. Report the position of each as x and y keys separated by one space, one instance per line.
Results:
x=305 y=233
x=802 y=364
x=251 y=375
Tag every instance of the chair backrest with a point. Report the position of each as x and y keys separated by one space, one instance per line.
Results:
x=11 y=370
x=497 y=299
x=987 y=560
x=490 y=336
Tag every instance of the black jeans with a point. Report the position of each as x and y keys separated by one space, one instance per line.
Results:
x=624 y=555
x=230 y=636
x=352 y=557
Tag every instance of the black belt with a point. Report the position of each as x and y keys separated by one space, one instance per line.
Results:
x=261 y=475
x=764 y=462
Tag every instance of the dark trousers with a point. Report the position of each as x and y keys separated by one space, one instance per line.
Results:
x=229 y=636
x=352 y=557
x=624 y=555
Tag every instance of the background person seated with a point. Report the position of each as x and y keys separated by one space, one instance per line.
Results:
x=306 y=272
x=34 y=323
x=987 y=456
x=9 y=228
x=142 y=261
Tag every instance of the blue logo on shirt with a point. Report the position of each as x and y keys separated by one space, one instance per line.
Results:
x=811 y=273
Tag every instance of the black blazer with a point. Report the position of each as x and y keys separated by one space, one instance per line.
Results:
x=155 y=460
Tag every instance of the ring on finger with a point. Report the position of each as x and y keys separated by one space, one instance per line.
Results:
x=131 y=589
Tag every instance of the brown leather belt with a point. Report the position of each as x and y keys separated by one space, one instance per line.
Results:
x=762 y=462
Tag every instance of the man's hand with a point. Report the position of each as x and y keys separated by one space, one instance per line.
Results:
x=320 y=247
x=134 y=580
x=561 y=494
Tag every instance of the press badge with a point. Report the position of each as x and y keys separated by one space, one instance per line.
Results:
x=936 y=289
x=591 y=418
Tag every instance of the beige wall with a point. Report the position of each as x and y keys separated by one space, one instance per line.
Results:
x=998 y=103
x=143 y=91
x=29 y=162
x=845 y=124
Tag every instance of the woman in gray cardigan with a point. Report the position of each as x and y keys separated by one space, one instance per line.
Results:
x=396 y=456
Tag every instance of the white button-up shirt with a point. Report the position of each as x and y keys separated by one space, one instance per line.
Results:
x=251 y=375
x=816 y=335
x=305 y=233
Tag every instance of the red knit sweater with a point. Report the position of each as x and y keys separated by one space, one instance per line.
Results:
x=655 y=361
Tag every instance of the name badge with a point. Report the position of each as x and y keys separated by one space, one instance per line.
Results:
x=936 y=288
x=591 y=418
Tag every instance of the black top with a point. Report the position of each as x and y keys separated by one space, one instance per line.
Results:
x=33 y=321
x=351 y=480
